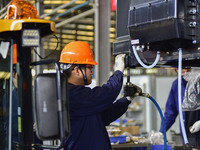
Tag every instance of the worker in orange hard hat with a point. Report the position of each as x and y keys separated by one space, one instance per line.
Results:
x=91 y=109
x=79 y=53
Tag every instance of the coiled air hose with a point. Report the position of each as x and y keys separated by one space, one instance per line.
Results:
x=140 y=61
x=133 y=90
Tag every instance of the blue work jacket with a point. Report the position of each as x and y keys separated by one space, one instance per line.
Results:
x=14 y=115
x=172 y=106
x=93 y=109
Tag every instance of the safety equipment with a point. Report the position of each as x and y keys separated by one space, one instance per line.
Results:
x=14 y=53
x=77 y=52
x=21 y=9
x=119 y=62
x=195 y=127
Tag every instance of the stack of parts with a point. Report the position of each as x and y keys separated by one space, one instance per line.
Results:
x=123 y=134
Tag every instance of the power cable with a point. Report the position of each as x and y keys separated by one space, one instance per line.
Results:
x=49 y=53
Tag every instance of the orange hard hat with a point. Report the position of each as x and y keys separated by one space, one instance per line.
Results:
x=21 y=9
x=77 y=52
x=14 y=53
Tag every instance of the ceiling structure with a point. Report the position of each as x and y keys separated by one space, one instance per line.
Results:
x=75 y=20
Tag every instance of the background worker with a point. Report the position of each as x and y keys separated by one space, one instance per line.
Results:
x=15 y=132
x=91 y=109
x=172 y=111
x=15 y=138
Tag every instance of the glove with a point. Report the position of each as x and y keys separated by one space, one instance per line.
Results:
x=119 y=62
x=195 y=127
x=132 y=90
x=129 y=98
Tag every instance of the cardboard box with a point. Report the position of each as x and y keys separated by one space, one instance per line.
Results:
x=134 y=130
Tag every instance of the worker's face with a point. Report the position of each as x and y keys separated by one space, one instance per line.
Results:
x=89 y=73
x=15 y=79
x=183 y=71
x=77 y=76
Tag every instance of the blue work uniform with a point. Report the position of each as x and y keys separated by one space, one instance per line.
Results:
x=93 y=109
x=172 y=106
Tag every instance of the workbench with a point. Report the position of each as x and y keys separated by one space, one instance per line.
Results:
x=140 y=146
x=130 y=146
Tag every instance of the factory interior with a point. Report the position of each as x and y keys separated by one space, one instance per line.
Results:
x=159 y=43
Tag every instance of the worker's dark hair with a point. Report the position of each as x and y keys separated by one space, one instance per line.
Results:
x=176 y=71
x=68 y=72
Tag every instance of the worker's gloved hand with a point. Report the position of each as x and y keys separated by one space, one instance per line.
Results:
x=119 y=62
x=132 y=90
x=195 y=127
x=129 y=98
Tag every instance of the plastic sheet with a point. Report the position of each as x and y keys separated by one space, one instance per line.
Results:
x=154 y=138
x=191 y=101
